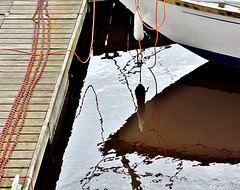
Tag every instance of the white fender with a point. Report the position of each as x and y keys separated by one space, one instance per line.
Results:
x=138 y=28
x=15 y=185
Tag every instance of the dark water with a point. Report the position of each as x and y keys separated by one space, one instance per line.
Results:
x=185 y=137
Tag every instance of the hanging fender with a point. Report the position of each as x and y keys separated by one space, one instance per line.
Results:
x=138 y=28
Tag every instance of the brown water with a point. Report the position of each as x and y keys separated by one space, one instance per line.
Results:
x=185 y=137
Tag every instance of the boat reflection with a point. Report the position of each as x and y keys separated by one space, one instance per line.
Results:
x=197 y=118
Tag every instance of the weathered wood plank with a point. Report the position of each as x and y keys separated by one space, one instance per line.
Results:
x=53 y=22
x=21 y=146
x=53 y=16
x=14 y=68
x=18 y=163
x=21 y=74
x=31 y=25
x=28 y=122
x=50 y=7
x=24 y=64
x=30 y=115
x=12 y=53
x=30 y=31
x=11 y=173
x=38 y=94
x=24 y=138
x=27 y=154
x=23 y=57
x=6 y=3
x=33 y=100
x=60 y=2
x=21 y=36
x=28 y=46
x=31 y=107
x=7 y=183
x=17 y=87
x=50 y=11
x=28 y=130
x=18 y=80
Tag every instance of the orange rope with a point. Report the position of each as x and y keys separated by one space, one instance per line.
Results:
x=164 y=16
x=158 y=136
x=26 y=90
x=157 y=27
x=50 y=53
x=58 y=51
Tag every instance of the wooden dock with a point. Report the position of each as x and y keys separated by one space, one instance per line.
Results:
x=16 y=31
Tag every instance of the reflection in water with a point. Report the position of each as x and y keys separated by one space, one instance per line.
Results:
x=125 y=80
x=198 y=123
x=97 y=106
x=140 y=95
x=188 y=127
x=134 y=181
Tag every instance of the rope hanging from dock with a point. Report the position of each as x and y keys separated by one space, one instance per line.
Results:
x=24 y=95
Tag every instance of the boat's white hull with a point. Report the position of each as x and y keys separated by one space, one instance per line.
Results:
x=214 y=36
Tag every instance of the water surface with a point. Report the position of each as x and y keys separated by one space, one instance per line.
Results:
x=108 y=149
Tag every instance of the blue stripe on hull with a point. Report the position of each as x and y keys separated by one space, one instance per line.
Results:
x=211 y=56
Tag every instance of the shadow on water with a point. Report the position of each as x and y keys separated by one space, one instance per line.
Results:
x=198 y=120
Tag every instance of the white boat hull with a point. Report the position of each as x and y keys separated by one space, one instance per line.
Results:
x=210 y=31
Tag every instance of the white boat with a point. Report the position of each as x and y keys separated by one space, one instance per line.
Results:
x=209 y=28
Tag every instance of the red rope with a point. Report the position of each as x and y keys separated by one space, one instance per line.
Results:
x=29 y=178
x=25 y=93
x=26 y=89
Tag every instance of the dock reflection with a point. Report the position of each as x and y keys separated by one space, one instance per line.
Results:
x=198 y=120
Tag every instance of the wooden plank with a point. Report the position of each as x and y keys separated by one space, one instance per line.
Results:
x=22 y=69
x=30 y=31
x=28 y=122
x=38 y=94
x=28 y=130
x=27 y=154
x=18 y=80
x=23 y=57
x=50 y=7
x=53 y=22
x=20 y=36
x=21 y=74
x=19 y=64
x=12 y=53
x=51 y=11
x=60 y=2
x=53 y=16
x=17 y=87
x=31 y=25
x=33 y=100
x=21 y=146
x=7 y=183
x=11 y=173
x=18 y=163
x=24 y=138
x=30 y=115
x=28 y=46
x=6 y=3
x=31 y=107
